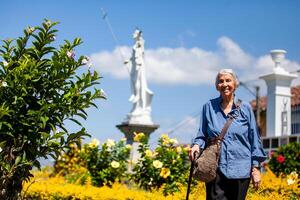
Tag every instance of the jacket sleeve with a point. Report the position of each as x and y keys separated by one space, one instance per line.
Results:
x=258 y=154
x=200 y=138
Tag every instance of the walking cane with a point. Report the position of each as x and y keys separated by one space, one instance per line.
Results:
x=196 y=154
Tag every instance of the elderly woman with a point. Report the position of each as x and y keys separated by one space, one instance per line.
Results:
x=241 y=152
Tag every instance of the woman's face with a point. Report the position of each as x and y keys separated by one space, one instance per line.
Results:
x=226 y=85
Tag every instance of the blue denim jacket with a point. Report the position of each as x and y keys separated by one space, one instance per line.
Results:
x=241 y=146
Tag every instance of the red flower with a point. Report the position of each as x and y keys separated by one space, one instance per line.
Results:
x=281 y=159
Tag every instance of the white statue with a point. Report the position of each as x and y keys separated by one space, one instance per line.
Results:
x=141 y=95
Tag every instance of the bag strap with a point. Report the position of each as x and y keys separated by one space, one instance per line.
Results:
x=228 y=122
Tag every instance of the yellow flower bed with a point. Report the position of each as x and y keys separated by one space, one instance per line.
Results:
x=44 y=187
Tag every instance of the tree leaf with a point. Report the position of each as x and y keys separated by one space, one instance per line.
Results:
x=76 y=121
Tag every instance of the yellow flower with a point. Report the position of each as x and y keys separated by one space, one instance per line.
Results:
x=174 y=141
x=110 y=143
x=165 y=172
x=292 y=178
x=165 y=138
x=115 y=164
x=187 y=148
x=138 y=137
x=123 y=139
x=148 y=153
x=178 y=149
x=128 y=146
x=290 y=181
x=94 y=143
x=157 y=164
x=44 y=186
x=155 y=153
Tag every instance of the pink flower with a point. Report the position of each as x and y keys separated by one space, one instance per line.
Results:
x=71 y=54
x=271 y=154
x=281 y=159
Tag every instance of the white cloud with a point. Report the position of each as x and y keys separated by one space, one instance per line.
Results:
x=189 y=66
x=111 y=62
x=233 y=55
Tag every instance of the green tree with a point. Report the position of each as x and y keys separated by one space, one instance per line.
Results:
x=40 y=88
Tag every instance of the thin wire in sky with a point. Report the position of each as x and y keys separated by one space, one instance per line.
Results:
x=180 y=124
x=105 y=18
x=183 y=122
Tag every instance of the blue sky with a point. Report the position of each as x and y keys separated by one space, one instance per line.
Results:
x=187 y=42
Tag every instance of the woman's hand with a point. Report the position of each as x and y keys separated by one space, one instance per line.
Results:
x=256 y=178
x=193 y=149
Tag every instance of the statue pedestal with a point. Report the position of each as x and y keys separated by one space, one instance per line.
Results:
x=128 y=130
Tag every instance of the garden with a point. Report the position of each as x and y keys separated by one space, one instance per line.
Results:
x=100 y=171
x=42 y=87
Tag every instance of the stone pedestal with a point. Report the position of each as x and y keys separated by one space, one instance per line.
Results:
x=129 y=129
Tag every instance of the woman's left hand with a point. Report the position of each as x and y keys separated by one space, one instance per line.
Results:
x=256 y=178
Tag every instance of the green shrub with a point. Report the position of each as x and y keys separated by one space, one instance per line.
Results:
x=286 y=159
x=166 y=167
x=107 y=164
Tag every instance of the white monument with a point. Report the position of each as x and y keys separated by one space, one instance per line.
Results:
x=141 y=96
x=278 y=97
x=139 y=118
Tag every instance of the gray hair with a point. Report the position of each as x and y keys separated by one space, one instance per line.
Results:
x=227 y=71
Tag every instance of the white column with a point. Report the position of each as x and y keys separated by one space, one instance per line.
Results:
x=278 y=97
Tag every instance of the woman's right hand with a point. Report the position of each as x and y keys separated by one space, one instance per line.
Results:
x=256 y=177
x=193 y=149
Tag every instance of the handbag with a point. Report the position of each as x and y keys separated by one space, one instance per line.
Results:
x=206 y=164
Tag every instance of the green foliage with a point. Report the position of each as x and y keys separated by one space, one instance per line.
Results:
x=40 y=89
x=107 y=164
x=166 y=167
x=286 y=160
